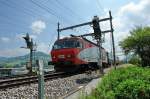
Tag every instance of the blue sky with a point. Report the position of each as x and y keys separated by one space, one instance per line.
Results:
x=39 y=18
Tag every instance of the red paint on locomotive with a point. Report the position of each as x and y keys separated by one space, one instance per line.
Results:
x=74 y=51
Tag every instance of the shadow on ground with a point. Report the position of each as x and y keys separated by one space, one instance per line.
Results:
x=86 y=79
x=83 y=80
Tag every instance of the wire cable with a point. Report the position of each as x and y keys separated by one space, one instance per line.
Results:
x=67 y=8
x=47 y=10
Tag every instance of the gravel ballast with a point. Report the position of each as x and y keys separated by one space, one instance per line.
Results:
x=53 y=88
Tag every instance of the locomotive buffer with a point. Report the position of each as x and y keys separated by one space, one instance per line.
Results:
x=97 y=35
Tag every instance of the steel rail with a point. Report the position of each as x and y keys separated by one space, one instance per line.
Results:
x=27 y=80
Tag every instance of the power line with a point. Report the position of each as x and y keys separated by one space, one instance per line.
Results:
x=25 y=11
x=67 y=8
x=8 y=19
x=13 y=22
x=33 y=12
x=50 y=11
x=57 y=5
x=10 y=6
x=47 y=10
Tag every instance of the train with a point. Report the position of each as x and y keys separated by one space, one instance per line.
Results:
x=74 y=53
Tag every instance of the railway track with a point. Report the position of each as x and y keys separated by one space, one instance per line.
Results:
x=14 y=82
x=8 y=83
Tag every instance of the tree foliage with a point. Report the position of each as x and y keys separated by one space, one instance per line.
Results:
x=135 y=60
x=139 y=43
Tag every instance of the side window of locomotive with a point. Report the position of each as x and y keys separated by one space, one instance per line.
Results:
x=56 y=47
x=79 y=45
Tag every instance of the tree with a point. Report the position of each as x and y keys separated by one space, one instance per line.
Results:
x=135 y=60
x=139 y=43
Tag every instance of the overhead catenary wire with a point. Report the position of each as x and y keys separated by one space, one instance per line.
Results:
x=25 y=10
x=10 y=6
x=42 y=7
x=58 y=5
x=47 y=9
x=16 y=22
x=32 y=12
x=70 y=10
x=50 y=11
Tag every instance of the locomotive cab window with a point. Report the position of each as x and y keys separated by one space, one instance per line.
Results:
x=67 y=44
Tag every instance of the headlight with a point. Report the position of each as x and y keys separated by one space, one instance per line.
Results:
x=69 y=56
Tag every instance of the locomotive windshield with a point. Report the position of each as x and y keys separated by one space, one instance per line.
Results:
x=66 y=44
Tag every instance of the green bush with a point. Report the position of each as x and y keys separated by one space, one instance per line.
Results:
x=124 y=83
x=132 y=89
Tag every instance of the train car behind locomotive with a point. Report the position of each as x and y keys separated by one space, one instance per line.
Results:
x=73 y=53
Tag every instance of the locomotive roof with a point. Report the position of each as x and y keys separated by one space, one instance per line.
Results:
x=70 y=38
x=78 y=38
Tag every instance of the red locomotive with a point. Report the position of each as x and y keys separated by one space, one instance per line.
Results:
x=73 y=53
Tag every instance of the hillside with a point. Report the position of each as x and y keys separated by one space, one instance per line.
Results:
x=21 y=60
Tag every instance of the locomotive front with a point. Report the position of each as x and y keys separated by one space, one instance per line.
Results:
x=64 y=54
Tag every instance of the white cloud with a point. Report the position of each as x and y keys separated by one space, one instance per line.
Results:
x=38 y=26
x=128 y=16
x=133 y=14
x=13 y=52
x=5 y=39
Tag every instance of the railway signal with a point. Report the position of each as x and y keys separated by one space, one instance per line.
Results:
x=30 y=46
x=27 y=39
x=97 y=35
x=96 y=27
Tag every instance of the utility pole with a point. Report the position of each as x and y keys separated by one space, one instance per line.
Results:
x=58 y=31
x=97 y=34
x=113 y=43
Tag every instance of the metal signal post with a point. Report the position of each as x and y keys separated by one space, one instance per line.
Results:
x=113 y=43
x=58 y=31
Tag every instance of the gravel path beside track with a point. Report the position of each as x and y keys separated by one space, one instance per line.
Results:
x=53 y=89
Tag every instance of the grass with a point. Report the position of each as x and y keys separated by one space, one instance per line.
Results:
x=127 y=82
